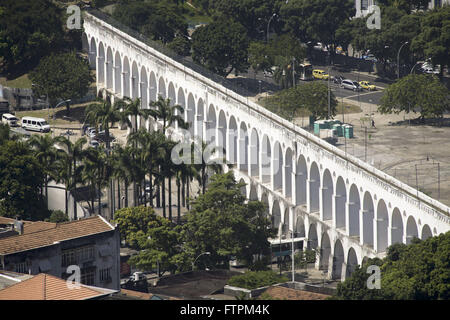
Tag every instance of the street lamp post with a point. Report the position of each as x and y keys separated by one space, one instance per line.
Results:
x=204 y=253
x=268 y=25
x=398 y=59
x=414 y=67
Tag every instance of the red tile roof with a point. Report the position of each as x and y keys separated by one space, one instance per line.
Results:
x=48 y=287
x=47 y=234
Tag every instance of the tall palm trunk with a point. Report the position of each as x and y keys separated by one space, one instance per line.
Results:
x=170 y=197
x=75 y=217
x=118 y=193
x=178 y=200
x=151 y=190
x=126 y=193
x=66 y=201
x=99 y=200
x=163 y=195
x=183 y=191
x=187 y=193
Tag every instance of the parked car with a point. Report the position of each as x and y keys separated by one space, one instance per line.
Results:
x=351 y=85
x=94 y=143
x=320 y=74
x=367 y=85
x=370 y=57
x=92 y=133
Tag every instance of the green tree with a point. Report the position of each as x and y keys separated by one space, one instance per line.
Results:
x=416 y=93
x=57 y=216
x=104 y=114
x=221 y=47
x=433 y=41
x=159 y=20
x=181 y=45
x=157 y=239
x=222 y=223
x=28 y=31
x=21 y=177
x=162 y=110
x=62 y=76
x=317 y=20
x=256 y=279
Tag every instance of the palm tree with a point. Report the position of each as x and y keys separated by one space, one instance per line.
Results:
x=168 y=170
x=162 y=110
x=103 y=113
x=213 y=165
x=185 y=173
x=45 y=153
x=97 y=168
x=132 y=108
x=68 y=172
x=123 y=167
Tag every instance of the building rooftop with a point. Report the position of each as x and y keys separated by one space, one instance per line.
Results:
x=283 y=293
x=42 y=234
x=48 y=287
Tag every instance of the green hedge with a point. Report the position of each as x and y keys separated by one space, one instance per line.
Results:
x=256 y=279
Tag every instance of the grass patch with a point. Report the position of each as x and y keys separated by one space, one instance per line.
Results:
x=22 y=82
x=76 y=115
x=348 y=108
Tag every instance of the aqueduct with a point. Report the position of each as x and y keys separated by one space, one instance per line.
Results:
x=349 y=209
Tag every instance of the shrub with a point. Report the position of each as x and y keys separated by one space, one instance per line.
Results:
x=256 y=279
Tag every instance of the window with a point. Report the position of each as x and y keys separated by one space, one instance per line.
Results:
x=364 y=4
x=88 y=276
x=76 y=256
x=22 y=267
x=105 y=275
x=33 y=122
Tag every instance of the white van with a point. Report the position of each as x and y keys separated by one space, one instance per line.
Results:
x=10 y=120
x=36 y=124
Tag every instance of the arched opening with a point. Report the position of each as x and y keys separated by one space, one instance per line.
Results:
x=254 y=154
x=300 y=227
x=144 y=95
x=84 y=43
x=93 y=54
x=265 y=201
x=211 y=126
x=313 y=239
x=338 y=260
x=286 y=223
x=382 y=226
x=354 y=206
x=153 y=88
x=109 y=68
x=222 y=132
x=126 y=78
x=288 y=173
x=352 y=262
x=340 y=203
x=180 y=99
x=314 y=185
x=266 y=160
x=426 y=232
x=276 y=217
x=101 y=64
x=118 y=73
x=243 y=148
x=368 y=220
x=190 y=114
x=243 y=188
x=162 y=88
x=411 y=230
x=173 y=100
x=397 y=227
x=134 y=81
x=325 y=251
x=200 y=119
x=300 y=181
x=277 y=167
x=232 y=141
x=327 y=196
x=253 y=193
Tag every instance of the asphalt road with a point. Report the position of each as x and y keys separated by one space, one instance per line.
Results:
x=267 y=84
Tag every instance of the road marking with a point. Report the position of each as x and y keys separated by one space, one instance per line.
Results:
x=362 y=94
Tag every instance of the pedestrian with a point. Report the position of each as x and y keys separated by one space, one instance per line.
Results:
x=373 y=124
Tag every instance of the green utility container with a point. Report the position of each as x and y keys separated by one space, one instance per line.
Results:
x=319 y=125
x=312 y=120
x=348 y=131
x=339 y=129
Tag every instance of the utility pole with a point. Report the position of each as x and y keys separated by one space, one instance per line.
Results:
x=293 y=72
x=365 y=144
x=439 y=182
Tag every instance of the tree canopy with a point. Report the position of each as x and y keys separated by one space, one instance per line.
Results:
x=418 y=271
x=62 y=76
x=222 y=223
x=416 y=93
x=29 y=30
x=221 y=47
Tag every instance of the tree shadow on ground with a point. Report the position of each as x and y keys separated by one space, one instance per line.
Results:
x=435 y=122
